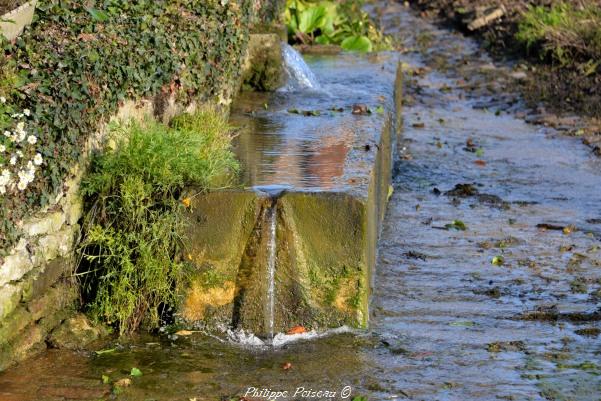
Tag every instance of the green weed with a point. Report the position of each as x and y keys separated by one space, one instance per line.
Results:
x=132 y=232
x=565 y=34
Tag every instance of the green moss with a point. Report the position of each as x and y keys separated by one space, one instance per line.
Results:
x=264 y=72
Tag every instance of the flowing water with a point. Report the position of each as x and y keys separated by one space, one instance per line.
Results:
x=271 y=264
x=299 y=75
x=447 y=324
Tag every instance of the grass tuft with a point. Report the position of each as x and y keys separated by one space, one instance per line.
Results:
x=564 y=33
x=132 y=232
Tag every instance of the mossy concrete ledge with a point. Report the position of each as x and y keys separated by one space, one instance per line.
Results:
x=325 y=244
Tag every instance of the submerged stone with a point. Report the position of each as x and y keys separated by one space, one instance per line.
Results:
x=76 y=333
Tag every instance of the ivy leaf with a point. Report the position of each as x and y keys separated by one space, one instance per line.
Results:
x=98 y=15
x=357 y=44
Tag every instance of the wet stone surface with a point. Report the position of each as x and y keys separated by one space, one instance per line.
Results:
x=316 y=139
x=472 y=301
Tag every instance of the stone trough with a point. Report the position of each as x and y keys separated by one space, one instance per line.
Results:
x=296 y=243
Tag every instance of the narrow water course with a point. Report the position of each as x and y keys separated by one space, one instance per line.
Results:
x=488 y=284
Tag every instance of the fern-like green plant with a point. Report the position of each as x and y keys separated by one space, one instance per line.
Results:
x=132 y=230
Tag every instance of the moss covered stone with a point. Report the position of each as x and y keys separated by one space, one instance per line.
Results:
x=262 y=70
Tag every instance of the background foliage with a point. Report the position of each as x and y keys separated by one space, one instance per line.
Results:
x=341 y=23
x=80 y=59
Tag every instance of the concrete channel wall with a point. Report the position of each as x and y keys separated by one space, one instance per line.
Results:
x=326 y=245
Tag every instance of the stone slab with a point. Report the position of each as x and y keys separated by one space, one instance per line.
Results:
x=328 y=179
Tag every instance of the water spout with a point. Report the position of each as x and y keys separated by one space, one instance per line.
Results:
x=271 y=261
x=298 y=74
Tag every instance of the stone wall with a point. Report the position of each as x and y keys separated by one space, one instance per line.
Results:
x=37 y=287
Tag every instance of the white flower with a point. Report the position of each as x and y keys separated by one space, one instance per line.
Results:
x=32 y=139
x=19 y=153
x=13 y=160
x=2 y=99
x=2 y=148
x=20 y=126
x=2 y=189
x=37 y=159
x=4 y=178
x=21 y=185
x=7 y=134
x=26 y=176
x=27 y=112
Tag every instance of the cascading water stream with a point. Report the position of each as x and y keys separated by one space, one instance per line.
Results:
x=271 y=259
x=298 y=74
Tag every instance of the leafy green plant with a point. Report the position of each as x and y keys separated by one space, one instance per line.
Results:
x=564 y=33
x=329 y=22
x=132 y=231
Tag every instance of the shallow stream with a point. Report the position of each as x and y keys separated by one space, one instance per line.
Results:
x=488 y=285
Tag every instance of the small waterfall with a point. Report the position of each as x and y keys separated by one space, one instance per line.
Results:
x=271 y=258
x=298 y=74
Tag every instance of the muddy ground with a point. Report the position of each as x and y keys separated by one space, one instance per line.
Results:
x=546 y=88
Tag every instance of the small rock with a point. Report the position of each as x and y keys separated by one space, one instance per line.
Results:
x=360 y=109
x=519 y=75
x=126 y=382
x=76 y=333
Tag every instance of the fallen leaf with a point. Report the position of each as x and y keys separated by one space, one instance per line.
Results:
x=123 y=382
x=568 y=230
x=106 y=351
x=462 y=323
x=498 y=260
x=296 y=330
x=287 y=366
x=480 y=163
x=184 y=333
x=456 y=225
x=187 y=202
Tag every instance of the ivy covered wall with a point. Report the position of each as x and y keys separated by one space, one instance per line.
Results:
x=70 y=71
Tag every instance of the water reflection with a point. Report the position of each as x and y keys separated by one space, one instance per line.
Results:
x=311 y=152
x=273 y=151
